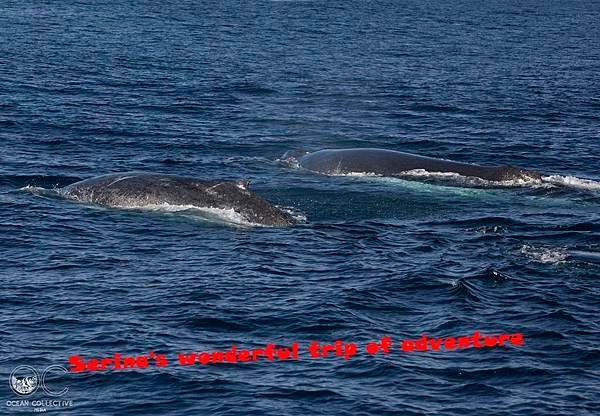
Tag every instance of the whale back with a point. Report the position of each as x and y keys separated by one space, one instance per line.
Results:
x=377 y=161
x=148 y=189
x=393 y=163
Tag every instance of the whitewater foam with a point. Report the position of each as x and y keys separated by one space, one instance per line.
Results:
x=468 y=180
x=38 y=190
x=544 y=254
x=226 y=215
x=572 y=182
x=297 y=215
x=551 y=181
x=447 y=177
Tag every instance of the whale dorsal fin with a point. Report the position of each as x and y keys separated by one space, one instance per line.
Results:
x=243 y=184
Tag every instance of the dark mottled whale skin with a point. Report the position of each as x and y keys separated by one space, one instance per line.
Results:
x=392 y=163
x=136 y=189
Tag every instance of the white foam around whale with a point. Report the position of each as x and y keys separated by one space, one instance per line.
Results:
x=230 y=215
x=572 y=182
x=468 y=180
x=555 y=255
x=449 y=178
x=559 y=255
x=37 y=190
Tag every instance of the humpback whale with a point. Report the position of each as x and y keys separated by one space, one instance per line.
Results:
x=393 y=163
x=141 y=190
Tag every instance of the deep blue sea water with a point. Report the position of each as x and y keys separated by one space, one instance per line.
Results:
x=224 y=89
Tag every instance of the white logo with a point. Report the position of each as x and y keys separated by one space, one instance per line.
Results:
x=24 y=380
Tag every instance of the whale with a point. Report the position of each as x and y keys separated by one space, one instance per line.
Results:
x=385 y=162
x=143 y=190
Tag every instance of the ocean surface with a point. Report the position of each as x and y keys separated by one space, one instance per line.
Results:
x=221 y=90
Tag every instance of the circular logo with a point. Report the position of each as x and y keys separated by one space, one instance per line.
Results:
x=24 y=380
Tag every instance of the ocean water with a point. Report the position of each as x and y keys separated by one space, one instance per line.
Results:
x=223 y=90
